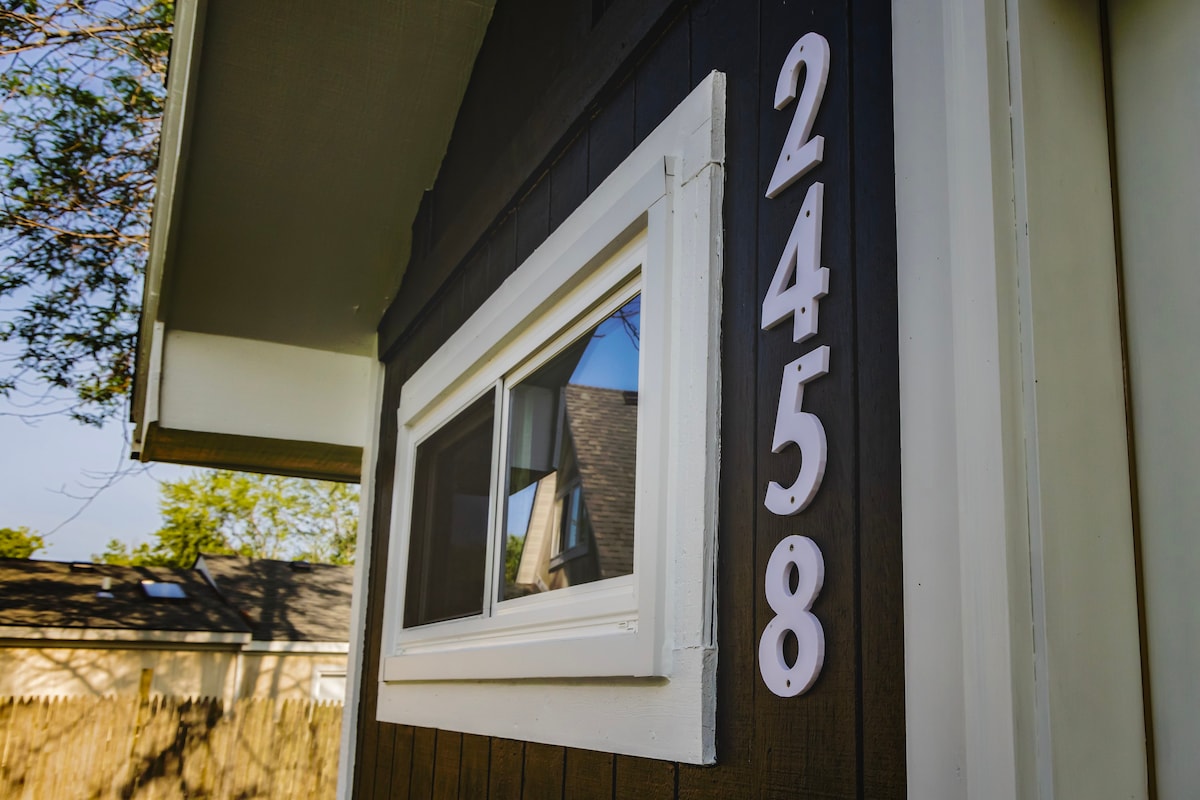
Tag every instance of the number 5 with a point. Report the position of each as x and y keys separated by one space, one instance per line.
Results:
x=793 y=426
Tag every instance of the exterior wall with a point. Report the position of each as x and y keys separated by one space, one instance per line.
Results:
x=67 y=671
x=287 y=676
x=553 y=107
x=96 y=671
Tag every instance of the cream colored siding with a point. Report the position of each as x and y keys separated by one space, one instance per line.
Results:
x=63 y=671
x=286 y=676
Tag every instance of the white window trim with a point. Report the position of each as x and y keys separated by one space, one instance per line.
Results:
x=602 y=629
x=640 y=678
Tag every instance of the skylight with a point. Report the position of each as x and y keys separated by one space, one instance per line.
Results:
x=164 y=590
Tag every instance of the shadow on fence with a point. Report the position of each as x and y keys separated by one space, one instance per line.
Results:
x=165 y=748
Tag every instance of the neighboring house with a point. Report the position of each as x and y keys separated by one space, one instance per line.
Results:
x=385 y=229
x=92 y=629
x=232 y=627
x=581 y=521
x=299 y=617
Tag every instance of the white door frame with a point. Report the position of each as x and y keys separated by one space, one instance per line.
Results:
x=1022 y=667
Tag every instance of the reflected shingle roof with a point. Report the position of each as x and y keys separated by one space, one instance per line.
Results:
x=603 y=426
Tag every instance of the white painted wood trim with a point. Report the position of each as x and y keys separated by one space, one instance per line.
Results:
x=1080 y=514
x=245 y=387
x=122 y=635
x=608 y=628
x=186 y=45
x=1156 y=105
x=671 y=187
x=297 y=647
x=998 y=426
x=358 y=596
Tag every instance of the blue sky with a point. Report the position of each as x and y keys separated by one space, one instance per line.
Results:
x=49 y=467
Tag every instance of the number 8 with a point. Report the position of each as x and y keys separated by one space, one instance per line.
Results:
x=801 y=554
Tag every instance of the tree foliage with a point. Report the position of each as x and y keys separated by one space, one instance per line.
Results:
x=82 y=91
x=19 y=542
x=260 y=516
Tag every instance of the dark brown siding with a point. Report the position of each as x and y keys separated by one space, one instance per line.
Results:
x=554 y=105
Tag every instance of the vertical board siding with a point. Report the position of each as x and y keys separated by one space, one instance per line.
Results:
x=543 y=772
x=473 y=770
x=725 y=37
x=533 y=219
x=448 y=765
x=611 y=135
x=399 y=782
x=663 y=79
x=569 y=180
x=881 y=672
x=787 y=756
x=382 y=770
x=424 y=763
x=845 y=737
x=644 y=779
x=508 y=768
x=589 y=775
x=385 y=464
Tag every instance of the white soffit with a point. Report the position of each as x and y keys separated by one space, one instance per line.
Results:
x=298 y=140
x=313 y=129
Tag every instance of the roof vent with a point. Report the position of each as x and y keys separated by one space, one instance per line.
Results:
x=302 y=566
x=105 y=589
x=82 y=566
x=164 y=590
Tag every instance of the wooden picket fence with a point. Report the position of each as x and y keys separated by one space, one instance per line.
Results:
x=166 y=748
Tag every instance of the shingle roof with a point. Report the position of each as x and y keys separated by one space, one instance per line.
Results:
x=282 y=602
x=52 y=594
x=604 y=429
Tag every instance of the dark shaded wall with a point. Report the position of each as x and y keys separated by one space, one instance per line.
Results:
x=555 y=103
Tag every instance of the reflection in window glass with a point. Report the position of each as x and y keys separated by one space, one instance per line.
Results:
x=448 y=544
x=572 y=451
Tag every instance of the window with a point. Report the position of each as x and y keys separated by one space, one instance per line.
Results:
x=572 y=462
x=552 y=557
x=329 y=684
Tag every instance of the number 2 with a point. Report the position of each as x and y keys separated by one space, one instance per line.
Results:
x=799 y=153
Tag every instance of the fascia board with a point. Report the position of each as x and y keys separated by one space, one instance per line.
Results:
x=182 y=72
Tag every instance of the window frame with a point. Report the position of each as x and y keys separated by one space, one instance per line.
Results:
x=652 y=228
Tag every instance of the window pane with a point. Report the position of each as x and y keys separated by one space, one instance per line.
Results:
x=448 y=544
x=571 y=462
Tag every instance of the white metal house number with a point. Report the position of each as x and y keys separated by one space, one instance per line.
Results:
x=796 y=288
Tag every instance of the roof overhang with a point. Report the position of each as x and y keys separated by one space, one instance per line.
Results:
x=297 y=141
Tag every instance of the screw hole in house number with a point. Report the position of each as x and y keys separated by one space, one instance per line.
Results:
x=791 y=650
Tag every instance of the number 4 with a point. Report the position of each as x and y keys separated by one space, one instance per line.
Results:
x=799 y=262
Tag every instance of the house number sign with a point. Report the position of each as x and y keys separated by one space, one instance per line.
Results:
x=795 y=291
